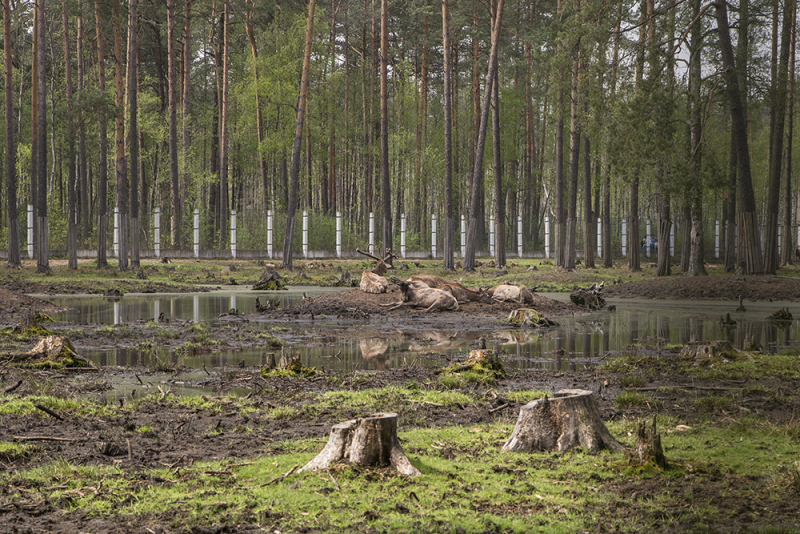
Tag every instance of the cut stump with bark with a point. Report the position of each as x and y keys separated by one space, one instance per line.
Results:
x=647 y=448
x=568 y=419
x=369 y=442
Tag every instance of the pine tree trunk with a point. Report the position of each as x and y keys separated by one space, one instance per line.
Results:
x=589 y=229
x=477 y=179
x=102 y=193
x=499 y=197
x=14 y=258
x=786 y=246
x=574 y=164
x=72 y=213
x=121 y=162
x=298 y=134
x=750 y=251
x=385 y=183
x=447 y=262
x=777 y=121
x=223 y=130
x=42 y=245
x=133 y=129
x=83 y=184
x=172 y=83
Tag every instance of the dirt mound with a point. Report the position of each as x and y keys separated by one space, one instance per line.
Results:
x=354 y=303
x=714 y=287
x=14 y=305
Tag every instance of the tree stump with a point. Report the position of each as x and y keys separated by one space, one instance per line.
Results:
x=569 y=419
x=369 y=442
x=588 y=297
x=647 y=447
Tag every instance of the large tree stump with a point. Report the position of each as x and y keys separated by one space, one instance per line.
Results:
x=569 y=419
x=369 y=442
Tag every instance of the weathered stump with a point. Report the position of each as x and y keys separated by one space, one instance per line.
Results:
x=369 y=442
x=588 y=297
x=568 y=419
x=647 y=447
x=269 y=281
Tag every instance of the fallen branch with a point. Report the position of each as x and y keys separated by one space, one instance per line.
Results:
x=15 y=386
x=280 y=478
x=48 y=411
x=41 y=438
x=503 y=407
x=334 y=482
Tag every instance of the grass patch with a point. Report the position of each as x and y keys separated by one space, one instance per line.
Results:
x=11 y=452
x=713 y=404
x=525 y=396
x=631 y=381
x=390 y=399
x=26 y=406
x=630 y=399
x=467 y=485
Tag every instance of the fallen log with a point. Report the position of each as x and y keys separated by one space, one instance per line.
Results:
x=568 y=419
x=369 y=442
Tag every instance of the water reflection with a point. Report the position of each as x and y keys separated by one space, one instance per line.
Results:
x=357 y=345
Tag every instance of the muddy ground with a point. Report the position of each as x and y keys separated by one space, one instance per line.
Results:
x=179 y=436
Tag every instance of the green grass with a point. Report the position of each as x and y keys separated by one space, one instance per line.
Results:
x=26 y=406
x=10 y=452
x=634 y=398
x=467 y=484
x=390 y=398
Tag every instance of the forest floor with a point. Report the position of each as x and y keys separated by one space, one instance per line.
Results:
x=161 y=463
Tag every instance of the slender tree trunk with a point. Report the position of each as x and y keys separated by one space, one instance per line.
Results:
x=499 y=196
x=776 y=140
x=121 y=162
x=697 y=251
x=34 y=198
x=176 y=239
x=589 y=229
x=72 y=213
x=223 y=129
x=474 y=208
x=730 y=215
x=786 y=246
x=43 y=251
x=102 y=193
x=14 y=259
x=133 y=130
x=262 y=162
x=574 y=162
x=298 y=134
x=172 y=89
x=385 y=184
x=447 y=263
x=608 y=253
x=750 y=249
x=83 y=184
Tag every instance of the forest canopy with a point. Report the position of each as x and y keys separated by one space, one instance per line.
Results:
x=675 y=113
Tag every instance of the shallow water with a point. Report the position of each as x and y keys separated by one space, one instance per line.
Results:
x=354 y=345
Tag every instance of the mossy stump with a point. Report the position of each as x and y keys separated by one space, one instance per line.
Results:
x=569 y=419
x=529 y=317
x=647 y=450
x=269 y=281
x=54 y=352
x=369 y=442
x=482 y=361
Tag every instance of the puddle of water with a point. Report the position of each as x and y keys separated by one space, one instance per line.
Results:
x=354 y=346
x=197 y=307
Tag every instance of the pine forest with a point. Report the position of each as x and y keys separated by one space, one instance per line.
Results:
x=535 y=124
